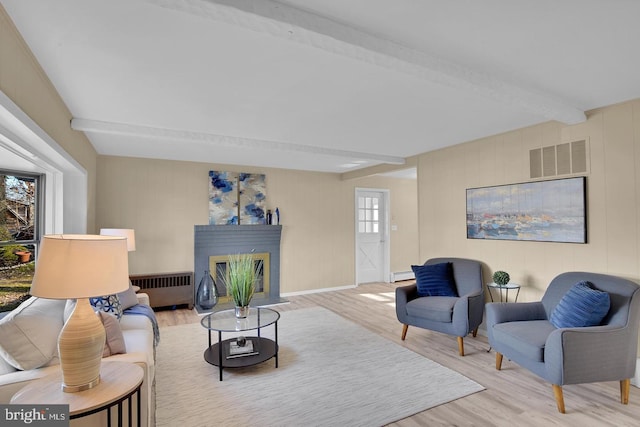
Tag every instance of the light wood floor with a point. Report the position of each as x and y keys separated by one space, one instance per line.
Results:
x=513 y=396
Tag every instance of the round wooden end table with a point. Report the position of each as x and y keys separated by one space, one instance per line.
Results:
x=119 y=381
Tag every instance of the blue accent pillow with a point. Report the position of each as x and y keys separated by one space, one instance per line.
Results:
x=582 y=305
x=109 y=304
x=435 y=280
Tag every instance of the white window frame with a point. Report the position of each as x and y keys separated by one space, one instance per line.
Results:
x=24 y=146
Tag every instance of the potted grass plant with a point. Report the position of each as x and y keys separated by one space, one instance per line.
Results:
x=242 y=273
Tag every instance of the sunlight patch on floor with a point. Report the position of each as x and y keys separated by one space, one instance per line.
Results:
x=388 y=298
x=376 y=297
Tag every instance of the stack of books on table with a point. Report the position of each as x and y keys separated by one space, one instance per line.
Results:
x=236 y=350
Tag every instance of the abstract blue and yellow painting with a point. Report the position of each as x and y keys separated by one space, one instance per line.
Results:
x=252 y=198
x=236 y=198
x=223 y=198
x=543 y=211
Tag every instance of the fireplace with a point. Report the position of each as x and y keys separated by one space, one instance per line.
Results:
x=215 y=242
x=219 y=265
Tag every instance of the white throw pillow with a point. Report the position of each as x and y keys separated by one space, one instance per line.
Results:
x=5 y=368
x=29 y=334
x=68 y=309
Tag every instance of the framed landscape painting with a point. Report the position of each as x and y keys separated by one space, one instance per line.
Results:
x=543 y=211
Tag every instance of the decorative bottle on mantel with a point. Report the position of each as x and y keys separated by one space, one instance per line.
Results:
x=277 y=217
x=207 y=295
x=269 y=217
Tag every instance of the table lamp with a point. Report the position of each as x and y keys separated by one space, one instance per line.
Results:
x=129 y=233
x=80 y=266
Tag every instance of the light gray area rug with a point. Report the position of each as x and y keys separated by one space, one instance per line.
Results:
x=331 y=372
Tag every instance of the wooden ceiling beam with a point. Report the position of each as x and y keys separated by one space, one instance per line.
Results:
x=296 y=25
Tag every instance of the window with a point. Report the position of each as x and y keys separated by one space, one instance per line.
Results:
x=368 y=210
x=19 y=235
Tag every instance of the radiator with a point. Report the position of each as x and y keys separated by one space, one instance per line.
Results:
x=402 y=275
x=166 y=289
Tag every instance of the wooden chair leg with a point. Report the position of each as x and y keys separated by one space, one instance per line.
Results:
x=404 y=331
x=474 y=332
x=624 y=391
x=498 y=361
x=461 y=346
x=557 y=392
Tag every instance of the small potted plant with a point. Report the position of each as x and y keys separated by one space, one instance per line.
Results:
x=242 y=273
x=22 y=252
x=501 y=278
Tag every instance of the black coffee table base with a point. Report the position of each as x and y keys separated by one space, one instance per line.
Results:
x=216 y=353
x=226 y=321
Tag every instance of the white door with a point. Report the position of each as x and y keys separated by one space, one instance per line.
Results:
x=371 y=236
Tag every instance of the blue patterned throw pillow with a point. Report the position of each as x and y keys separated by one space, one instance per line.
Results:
x=435 y=280
x=109 y=304
x=582 y=305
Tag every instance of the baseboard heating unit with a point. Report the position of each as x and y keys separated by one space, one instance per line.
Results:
x=399 y=276
x=166 y=289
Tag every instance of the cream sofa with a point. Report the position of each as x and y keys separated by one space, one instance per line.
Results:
x=46 y=318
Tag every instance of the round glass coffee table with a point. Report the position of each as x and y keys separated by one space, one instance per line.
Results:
x=234 y=352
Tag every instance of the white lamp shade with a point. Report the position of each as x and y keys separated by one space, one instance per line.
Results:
x=129 y=233
x=80 y=266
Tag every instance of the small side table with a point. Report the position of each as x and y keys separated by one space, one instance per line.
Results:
x=119 y=381
x=506 y=288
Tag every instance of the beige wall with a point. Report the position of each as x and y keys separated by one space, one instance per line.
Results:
x=613 y=199
x=22 y=80
x=162 y=200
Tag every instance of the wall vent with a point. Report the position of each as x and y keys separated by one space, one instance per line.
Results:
x=549 y=161
x=562 y=159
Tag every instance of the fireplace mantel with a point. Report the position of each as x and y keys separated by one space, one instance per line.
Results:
x=217 y=240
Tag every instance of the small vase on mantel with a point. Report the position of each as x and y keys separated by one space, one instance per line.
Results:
x=242 y=312
x=207 y=295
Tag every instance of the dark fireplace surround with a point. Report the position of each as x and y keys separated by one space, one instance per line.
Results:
x=222 y=240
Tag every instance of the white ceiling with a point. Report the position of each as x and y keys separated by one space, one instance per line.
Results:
x=325 y=85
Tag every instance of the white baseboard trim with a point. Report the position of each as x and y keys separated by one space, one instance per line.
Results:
x=399 y=276
x=315 y=291
x=636 y=379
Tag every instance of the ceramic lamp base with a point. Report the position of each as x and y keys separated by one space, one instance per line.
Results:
x=76 y=388
x=80 y=346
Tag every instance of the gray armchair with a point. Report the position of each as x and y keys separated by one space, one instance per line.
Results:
x=456 y=316
x=523 y=333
